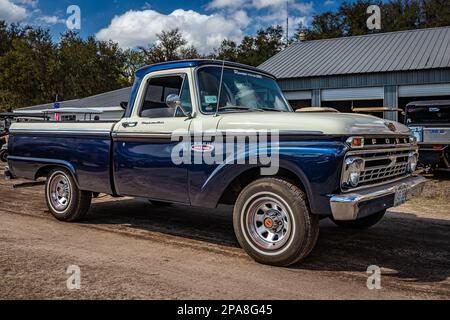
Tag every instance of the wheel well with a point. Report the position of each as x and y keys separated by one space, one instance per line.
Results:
x=44 y=171
x=233 y=190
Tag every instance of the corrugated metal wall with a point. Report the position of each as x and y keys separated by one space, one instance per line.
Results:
x=424 y=90
x=367 y=80
x=367 y=93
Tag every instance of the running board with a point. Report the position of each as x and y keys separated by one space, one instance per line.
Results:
x=28 y=184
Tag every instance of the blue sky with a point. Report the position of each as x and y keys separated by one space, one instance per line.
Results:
x=131 y=23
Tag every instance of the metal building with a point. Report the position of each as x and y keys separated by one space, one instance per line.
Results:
x=108 y=103
x=378 y=70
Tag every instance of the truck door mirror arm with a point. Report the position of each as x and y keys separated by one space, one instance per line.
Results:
x=174 y=101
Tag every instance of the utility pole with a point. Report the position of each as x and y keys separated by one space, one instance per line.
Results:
x=287 y=22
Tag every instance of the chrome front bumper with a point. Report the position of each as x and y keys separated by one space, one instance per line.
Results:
x=366 y=202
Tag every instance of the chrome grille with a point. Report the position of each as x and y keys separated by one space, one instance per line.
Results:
x=380 y=174
x=381 y=165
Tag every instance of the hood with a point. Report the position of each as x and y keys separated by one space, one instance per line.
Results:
x=320 y=123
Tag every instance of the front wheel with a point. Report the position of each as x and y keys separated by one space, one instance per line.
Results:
x=65 y=200
x=273 y=223
x=363 y=223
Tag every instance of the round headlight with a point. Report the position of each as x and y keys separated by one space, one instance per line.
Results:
x=354 y=167
x=412 y=162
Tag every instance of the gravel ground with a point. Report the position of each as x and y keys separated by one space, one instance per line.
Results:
x=128 y=249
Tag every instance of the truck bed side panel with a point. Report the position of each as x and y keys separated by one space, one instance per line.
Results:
x=85 y=152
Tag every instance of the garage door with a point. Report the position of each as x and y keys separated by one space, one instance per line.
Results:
x=424 y=90
x=371 y=93
x=298 y=95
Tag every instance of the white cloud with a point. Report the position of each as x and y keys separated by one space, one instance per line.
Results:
x=51 y=20
x=329 y=3
x=303 y=7
x=31 y=3
x=220 y=4
x=261 y=4
x=206 y=32
x=11 y=12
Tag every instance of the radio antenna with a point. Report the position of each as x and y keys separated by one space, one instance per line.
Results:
x=220 y=89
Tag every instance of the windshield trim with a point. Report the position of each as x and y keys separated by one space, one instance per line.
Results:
x=197 y=90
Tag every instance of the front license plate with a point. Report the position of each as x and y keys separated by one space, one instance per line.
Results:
x=401 y=196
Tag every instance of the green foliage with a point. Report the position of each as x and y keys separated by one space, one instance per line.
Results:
x=170 y=46
x=253 y=50
x=35 y=70
x=396 y=15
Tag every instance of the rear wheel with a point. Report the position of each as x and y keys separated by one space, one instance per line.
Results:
x=65 y=200
x=363 y=223
x=273 y=224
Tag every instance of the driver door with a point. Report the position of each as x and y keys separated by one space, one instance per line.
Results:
x=143 y=143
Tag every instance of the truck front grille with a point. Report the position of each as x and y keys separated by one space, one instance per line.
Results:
x=381 y=166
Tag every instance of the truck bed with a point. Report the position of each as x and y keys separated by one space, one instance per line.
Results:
x=82 y=147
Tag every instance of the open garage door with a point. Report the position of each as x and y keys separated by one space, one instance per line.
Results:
x=430 y=90
x=370 y=93
x=298 y=95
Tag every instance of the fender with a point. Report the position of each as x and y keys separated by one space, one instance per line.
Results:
x=316 y=164
x=29 y=167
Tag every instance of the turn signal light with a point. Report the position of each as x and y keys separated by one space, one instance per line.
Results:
x=356 y=142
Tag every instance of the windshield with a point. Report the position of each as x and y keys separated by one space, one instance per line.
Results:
x=429 y=114
x=240 y=91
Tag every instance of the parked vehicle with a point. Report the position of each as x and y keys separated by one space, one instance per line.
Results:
x=430 y=124
x=346 y=167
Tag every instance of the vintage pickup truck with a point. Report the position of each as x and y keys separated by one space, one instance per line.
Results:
x=346 y=167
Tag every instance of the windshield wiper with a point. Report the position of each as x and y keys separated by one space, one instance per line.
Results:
x=233 y=107
x=271 y=109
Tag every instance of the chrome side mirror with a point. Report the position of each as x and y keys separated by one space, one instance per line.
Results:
x=174 y=101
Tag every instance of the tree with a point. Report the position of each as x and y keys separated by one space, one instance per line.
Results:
x=350 y=18
x=326 y=25
x=255 y=50
x=436 y=13
x=228 y=50
x=27 y=70
x=88 y=67
x=134 y=60
x=170 y=46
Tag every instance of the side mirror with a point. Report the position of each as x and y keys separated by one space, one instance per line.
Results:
x=174 y=101
x=124 y=105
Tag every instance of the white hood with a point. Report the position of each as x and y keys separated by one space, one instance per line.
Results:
x=325 y=123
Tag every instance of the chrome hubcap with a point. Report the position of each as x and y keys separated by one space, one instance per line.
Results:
x=60 y=192
x=268 y=222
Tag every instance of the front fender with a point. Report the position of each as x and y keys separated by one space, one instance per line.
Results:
x=316 y=164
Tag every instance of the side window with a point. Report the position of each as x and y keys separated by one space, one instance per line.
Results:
x=154 y=104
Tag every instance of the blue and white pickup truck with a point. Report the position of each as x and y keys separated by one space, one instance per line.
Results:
x=173 y=145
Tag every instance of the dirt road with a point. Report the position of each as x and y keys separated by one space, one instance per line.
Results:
x=130 y=249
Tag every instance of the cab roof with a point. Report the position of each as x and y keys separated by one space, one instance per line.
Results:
x=196 y=63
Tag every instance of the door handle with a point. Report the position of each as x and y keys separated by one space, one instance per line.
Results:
x=129 y=124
